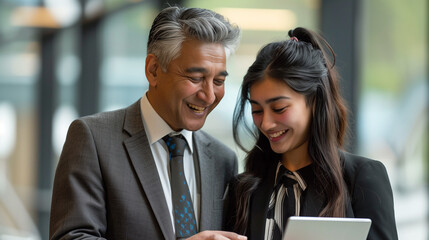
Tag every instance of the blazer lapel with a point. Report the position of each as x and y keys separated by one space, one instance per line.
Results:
x=259 y=206
x=313 y=202
x=206 y=176
x=142 y=161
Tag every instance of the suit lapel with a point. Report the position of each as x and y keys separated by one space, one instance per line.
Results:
x=206 y=175
x=142 y=160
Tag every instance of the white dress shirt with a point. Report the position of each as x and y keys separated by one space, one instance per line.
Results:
x=156 y=128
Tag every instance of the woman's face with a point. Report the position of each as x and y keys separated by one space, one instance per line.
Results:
x=282 y=115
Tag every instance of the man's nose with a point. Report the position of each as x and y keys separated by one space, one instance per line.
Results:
x=207 y=93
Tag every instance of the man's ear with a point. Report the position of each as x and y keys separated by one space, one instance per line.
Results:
x=151 y=68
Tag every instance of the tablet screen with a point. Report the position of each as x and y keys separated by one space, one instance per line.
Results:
x=326 y=228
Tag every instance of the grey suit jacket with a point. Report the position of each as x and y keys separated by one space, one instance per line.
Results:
x=107 y=186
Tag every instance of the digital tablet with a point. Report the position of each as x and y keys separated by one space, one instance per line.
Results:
x=326 y=228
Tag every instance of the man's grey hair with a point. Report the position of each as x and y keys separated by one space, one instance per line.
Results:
x=175 y=24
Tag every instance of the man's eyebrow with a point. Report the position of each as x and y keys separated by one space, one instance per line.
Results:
x=196 y=69
x=204 y=70
x=223 y=73
x=270 y=100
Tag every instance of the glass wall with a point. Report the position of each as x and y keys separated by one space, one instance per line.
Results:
x=19 y=68
x=122 y=72
x=67 y=72
x=393 y=105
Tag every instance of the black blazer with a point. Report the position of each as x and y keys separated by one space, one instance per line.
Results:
x=370 y=197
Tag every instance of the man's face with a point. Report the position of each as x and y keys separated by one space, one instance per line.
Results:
x=191 y=87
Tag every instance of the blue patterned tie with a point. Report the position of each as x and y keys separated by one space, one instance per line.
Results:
x=184 y=218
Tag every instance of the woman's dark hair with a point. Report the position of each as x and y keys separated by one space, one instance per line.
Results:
x=301 y=63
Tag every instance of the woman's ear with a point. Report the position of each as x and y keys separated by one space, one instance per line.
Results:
x=151 y=68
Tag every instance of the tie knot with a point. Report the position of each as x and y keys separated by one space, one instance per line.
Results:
x=287 y=181
x=176 y=145
x=285 y=177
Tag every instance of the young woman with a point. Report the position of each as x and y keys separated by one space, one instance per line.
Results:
x=297 y=165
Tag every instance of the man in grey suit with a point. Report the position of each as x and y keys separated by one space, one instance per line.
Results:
x=113 y=178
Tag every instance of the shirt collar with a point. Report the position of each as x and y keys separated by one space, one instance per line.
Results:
x=156 y=128
x=303 y=175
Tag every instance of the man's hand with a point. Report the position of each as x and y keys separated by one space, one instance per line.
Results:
x=217 y=235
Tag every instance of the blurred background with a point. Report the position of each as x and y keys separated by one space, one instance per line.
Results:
x=61 y=59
